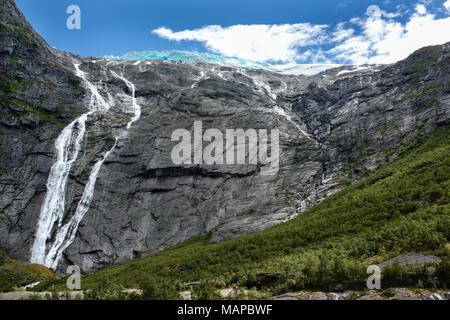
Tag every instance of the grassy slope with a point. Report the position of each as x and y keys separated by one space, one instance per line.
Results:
x=403 y=207
x=14 y=274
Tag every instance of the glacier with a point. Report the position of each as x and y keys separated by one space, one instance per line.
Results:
x=196 y=57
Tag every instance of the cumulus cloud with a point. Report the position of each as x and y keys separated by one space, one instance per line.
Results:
x=254 y=42
x=376 y=37
x=386 y=40
x=420 y=8
x=341 y=33
x=447 y=5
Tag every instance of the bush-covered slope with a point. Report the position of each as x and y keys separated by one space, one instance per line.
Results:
x=14 y=274
x=403 y=207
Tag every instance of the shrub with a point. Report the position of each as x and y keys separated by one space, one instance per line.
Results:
x=443 y=273
x=104 y=290
x=159 y=289
x=206 y=290
x=2 y=257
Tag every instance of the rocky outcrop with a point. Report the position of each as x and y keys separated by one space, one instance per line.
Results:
x=362 y=119
x=334 y=128
x=411 y=260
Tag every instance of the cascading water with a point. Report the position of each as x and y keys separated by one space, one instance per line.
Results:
x=97 y=102
x=135 y=108
x=284 y=114
x=68 y=146
x=266 y=89
x=66 y=234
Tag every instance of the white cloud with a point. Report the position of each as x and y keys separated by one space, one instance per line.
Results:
x=420 y=9
x=341 y=33
x=387 y=41
x=253 y=42
x=447 y=5
x=376 y=37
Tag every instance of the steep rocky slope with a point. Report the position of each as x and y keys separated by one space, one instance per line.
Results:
x=334 y=128
x=39 y=95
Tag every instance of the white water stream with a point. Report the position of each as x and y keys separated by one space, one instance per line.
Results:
x=68 y=146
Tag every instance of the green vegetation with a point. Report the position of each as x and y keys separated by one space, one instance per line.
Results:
x=426 y=276
x=423 y=59
x=9 y=87
x=28 y=109
x=426 y=98
x=424 y=95
x=12 y=87
x=17 y=30
x=159 y=289
x=14 y=274
x=402 y=207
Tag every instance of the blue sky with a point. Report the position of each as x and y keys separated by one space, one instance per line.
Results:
x=283 y=31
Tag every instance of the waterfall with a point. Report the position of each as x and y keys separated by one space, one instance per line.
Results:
x=97 y=103
x=285 y=115
x=68 y=232
x=68 y=146
x=65 y=235
x=135 y=108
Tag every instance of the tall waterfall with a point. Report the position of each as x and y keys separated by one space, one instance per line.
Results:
x=68 y=146
x=66 y=234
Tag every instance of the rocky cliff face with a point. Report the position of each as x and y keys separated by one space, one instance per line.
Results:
x=334 y=128
x=39 y=95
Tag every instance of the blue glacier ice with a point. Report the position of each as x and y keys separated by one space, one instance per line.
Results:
x=193 y=57
x=189 y=57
